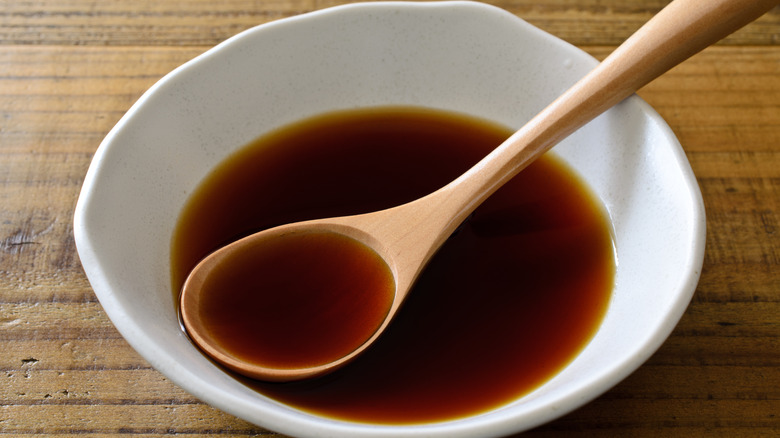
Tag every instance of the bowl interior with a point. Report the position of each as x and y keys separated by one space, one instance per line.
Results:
x=459 y=56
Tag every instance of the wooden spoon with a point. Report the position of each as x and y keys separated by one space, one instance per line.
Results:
x=406 y=237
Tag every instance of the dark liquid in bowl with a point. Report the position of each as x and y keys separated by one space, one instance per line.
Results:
x=507 y=303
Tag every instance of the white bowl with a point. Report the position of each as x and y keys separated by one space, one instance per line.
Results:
x=460 y=56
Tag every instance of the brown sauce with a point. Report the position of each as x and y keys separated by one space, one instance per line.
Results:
x=507 y=303
x=297 y=300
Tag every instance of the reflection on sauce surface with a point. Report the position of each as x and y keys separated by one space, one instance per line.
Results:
x=509 y=300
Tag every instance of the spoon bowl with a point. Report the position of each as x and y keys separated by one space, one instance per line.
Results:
x=407 y=236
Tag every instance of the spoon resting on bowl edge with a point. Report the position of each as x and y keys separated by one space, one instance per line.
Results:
x=349 y=275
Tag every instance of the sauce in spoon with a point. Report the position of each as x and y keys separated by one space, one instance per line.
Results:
x=295 y=301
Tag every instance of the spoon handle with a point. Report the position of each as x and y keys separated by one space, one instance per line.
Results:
x=680 y=30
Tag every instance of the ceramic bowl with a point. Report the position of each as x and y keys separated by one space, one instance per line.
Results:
x=465 y=57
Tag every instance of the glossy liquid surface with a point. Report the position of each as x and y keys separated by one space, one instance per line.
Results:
x=295 y=301
x=508 y=302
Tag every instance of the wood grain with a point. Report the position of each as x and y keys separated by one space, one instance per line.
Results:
x=199 y=22
x=69 y=69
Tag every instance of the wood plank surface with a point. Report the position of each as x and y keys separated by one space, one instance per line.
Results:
x=203 y=22
x=69 y=69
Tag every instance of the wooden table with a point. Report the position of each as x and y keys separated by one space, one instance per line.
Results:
x=70 y=68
